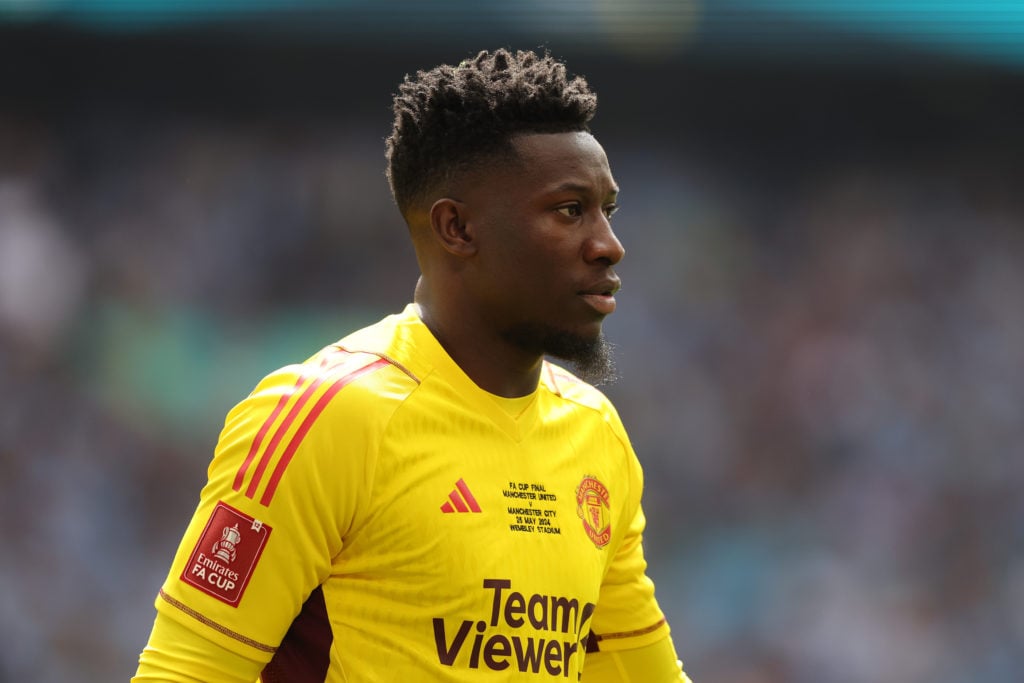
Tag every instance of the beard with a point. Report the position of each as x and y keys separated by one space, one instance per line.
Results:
x=591 y=358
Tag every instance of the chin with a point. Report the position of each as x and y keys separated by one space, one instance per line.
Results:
x=586 y=349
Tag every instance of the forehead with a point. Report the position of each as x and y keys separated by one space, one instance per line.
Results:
x=548 y=161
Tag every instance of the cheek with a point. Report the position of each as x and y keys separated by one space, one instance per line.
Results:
x=514 y=257
x=549 y=284
x=528 y=263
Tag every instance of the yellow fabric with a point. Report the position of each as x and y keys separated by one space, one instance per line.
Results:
x=514 y=406
x=174 y=649
x=652 y=663
x=360 y=493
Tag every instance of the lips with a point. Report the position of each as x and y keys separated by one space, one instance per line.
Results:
x=606 y=287
x=601 y=296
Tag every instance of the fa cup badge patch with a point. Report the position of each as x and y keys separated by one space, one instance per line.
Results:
x=226 y=555
x=592 y=507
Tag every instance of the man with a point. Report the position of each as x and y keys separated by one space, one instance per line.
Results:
x=429 y=499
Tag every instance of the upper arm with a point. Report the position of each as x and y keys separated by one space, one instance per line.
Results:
x=288 y=478
x=629 y=633
x=627 y=614
x=653 y=663
x=176 y=654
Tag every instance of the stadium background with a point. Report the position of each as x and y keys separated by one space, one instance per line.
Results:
x=821 y=333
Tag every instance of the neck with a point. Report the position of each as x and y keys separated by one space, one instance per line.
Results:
x=494 y=365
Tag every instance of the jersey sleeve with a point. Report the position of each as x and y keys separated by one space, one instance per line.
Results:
x=627 y=615
x=176 y=654
x=290 y=473
x=654 y=663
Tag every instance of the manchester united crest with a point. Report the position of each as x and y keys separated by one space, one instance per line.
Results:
x=593 y=508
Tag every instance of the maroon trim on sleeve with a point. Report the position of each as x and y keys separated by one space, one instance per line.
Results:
x=595 y=637
x=214 y=625
x=305 y=653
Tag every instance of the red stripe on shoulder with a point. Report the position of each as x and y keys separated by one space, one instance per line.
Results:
x=261 y=467
x=289 y=419
x=264 y=428
x=307 y=423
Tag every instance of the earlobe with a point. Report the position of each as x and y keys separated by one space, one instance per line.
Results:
x=450 y=227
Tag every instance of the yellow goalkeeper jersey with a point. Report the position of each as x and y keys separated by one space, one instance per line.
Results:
x=373 y=515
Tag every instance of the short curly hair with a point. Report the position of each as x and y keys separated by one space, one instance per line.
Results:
x=451 y=118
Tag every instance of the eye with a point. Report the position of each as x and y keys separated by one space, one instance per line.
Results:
x=610 y=210
x=574 y=210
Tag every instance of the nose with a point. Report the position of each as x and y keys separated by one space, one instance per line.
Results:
x=603 y=245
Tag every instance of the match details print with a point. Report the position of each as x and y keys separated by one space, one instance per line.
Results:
x=226 y=555
x=531 y=509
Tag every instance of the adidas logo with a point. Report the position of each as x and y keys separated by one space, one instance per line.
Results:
x=461 y=499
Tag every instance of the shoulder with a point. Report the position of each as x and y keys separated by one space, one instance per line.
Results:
x=364 y=362
x=332 y=379
x=336 y=375
x=581 y=395
x=306 y=416
x=596 y=424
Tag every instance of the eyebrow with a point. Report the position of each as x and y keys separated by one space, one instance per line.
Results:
x=577 y=187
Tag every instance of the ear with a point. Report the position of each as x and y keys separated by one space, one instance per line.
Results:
x=450 y=227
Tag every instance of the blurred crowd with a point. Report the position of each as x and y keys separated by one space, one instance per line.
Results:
x=822 y=370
